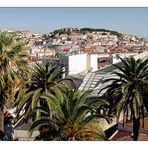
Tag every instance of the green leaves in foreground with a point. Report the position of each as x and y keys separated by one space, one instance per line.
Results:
x=70 y=116
x=127 y=93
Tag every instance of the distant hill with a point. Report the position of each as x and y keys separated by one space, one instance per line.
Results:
x=101 y=30
x=69 y=31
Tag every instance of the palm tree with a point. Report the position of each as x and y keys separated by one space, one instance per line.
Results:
x=23 y=73
x=127 y=93
x=72 y=116
x=44 y=77
x=11 y=49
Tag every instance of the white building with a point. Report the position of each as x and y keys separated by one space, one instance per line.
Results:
x=122 y=55
x=76 y=63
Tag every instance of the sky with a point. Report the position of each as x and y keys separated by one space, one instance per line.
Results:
x=131 y=21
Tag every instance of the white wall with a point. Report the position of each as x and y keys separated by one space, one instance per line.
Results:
x=94 y=62
x=23 y=135
x=77 y=63
x=122 y=55
x=82 y=62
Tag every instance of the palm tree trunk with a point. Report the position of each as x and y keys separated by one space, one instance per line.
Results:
x=136 y=128
x=1 y=124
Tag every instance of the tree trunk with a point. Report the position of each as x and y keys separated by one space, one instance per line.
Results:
x=1 y=124
x=136 y=128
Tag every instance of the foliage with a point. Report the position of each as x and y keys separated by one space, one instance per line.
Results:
x=43 y=78
x=11 y=50
x=100 y=30
x=127 y=93
x=70 y=116
x=83 y=31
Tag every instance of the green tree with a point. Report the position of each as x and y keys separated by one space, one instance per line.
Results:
x=72 y=116
x=23 y=73
x=11 y=49
x=127 y=93
x=43 y=78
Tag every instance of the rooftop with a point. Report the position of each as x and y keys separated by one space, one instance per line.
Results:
x=124 y=133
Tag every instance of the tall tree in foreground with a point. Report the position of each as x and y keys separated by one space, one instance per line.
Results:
x=43 y=78
x=11 y=49
x=127 y=94
x=71 y=115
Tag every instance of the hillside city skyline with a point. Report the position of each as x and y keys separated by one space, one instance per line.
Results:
x=73 y=74
x=45 y=20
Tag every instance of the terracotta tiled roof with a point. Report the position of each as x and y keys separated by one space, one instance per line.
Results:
x=124 y=132
x=125 y=136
